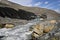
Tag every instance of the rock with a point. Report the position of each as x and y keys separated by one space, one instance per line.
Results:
x=53 y=21
x=43 y=28
x=47 y=29
x=50 y=25
x=2 y=25
x=41 y=19
x=9 y=25
x=37 y=30
x=1 y=37
x=35 y=35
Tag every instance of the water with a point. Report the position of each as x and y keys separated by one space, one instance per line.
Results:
x=20 y=32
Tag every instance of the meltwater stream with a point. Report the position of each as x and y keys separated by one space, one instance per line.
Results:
x=20 y=32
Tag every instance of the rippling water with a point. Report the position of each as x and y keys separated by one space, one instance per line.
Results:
x=20 y=32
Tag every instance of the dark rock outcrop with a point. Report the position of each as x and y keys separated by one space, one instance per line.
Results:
x=20 y=14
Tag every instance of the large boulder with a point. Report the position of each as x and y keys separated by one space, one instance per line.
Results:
x=42 y=28
x=37 y=30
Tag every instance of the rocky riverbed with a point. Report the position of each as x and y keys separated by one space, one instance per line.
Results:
x=34 y=30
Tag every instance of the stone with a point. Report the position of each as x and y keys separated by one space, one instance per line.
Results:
x=2 y=25
x=43 y=28
x=53 y=21
x=35 y=35
x=37 y=30
x=9 y=25
x=48 y=28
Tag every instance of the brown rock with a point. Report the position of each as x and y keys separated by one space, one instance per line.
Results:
x=35 y=35
x=2 y=25
x=37 y=30
x=53 y=21
x=9 y=26
x=49 y=28
x=42 y=28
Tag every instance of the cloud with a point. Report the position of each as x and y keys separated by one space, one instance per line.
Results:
x=57 y=10
x=46 y=2
x=38 y=3
x=22 y=2
x=50 y=5
x=29 y=5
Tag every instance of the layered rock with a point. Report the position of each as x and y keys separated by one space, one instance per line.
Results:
x=43 y=28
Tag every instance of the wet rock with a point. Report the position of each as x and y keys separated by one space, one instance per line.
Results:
x=49 y=26
x=37 y=30
x=40 y=29
x=9 y=25
x=53 y=21
x=47 y=29
x=2 y=25
x=1 y=37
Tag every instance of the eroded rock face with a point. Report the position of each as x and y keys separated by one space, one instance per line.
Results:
x=37 y=30
x=43 y=28
x=16 y=14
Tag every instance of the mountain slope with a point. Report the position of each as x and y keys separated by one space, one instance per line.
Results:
x=38 y=11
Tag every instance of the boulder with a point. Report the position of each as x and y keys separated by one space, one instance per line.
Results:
x=48 y=29
x=42 y=28
x=37 y=30
x=53 y=21
x=9 y=25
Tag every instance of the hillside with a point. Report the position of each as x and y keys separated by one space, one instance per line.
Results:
x=35 y=10
x=26 y=13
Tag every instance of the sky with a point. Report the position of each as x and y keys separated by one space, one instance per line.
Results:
x=49 y=4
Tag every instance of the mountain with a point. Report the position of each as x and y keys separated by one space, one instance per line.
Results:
x=36 y=10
